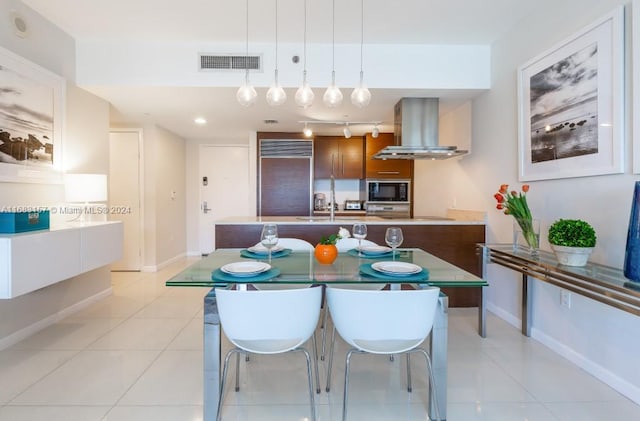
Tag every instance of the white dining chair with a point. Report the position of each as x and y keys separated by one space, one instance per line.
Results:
x=269 y=322
x=295 y=244
x=384 y=322
x=346 y=244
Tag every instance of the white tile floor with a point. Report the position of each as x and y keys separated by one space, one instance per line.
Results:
x=137 y=356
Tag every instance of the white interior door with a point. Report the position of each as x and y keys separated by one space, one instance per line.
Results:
x=224 y=188
x=124 y=195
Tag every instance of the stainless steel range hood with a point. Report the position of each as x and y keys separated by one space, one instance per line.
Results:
x=416 y=132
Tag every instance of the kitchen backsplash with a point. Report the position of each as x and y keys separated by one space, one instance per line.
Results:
x=345 y=190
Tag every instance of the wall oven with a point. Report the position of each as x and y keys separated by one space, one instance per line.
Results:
x=388 y=198
x=388 y=191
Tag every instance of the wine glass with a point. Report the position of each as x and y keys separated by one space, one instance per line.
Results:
x=269 y=237
x=393 y=238
x=360 y=232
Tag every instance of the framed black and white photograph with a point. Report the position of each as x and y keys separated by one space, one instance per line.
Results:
x=31 y=121
x=570 y=102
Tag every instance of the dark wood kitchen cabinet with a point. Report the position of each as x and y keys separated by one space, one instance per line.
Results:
x=338 y=155
x=385 y=168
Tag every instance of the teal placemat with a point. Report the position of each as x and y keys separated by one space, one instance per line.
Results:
x=251 y=255
x=218 y=275
x=366 y=269
x=354 y=253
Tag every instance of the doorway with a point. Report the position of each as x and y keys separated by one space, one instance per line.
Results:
x=224 y=188
x=125 y=177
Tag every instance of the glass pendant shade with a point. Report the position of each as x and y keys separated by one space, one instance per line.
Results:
x=332 y=96
x=361 y=97
x=304 y=94
x=246 y=94
x=276 y=94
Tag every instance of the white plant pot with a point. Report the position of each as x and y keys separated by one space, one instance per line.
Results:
x=572 y=256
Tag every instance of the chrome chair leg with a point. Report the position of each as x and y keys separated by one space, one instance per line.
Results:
x=432 y=382
x=238 y=371
x=315 y=362
x=310 y=375
x=225 y=369
x=333 y=341
x=409 y=388
x=325 y=313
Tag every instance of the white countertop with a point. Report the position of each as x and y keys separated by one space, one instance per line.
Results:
x=342 y=220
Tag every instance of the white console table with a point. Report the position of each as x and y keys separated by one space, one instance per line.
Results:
x=33 y=260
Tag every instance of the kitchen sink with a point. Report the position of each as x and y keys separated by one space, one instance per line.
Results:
x=327 y=218
x=432 y=218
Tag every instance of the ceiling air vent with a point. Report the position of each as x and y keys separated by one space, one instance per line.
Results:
x=217 y=62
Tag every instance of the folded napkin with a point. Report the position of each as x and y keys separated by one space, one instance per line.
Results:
x=218 y=275
x=355 y=253
x=251 y=255
x=367 y=270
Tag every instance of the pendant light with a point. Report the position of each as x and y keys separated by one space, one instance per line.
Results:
x=247 y=94
x=332 y=96
x=360 y=97
x=304 y=94
x=276 y=94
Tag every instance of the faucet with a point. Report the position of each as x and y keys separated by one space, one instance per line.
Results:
x=332 y=206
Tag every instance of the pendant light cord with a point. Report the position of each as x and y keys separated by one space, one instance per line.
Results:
x=361 y=31
x=333 y=35
x=246 y=57
x=276 y=38
x=305 y=38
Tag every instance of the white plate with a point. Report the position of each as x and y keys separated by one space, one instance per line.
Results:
x=396 y=268
x=245 y=268
x=260 y=249
x=375 y=249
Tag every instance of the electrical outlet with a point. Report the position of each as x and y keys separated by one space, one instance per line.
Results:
x=565 y=298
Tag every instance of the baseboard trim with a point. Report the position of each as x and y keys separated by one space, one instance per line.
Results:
x=629 y=390
x=155 y=268
x=505 y=315
x=25 y=332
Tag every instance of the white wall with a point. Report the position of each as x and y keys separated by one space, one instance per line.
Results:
x=170 y=196
x=128 y=63
x=597 y=337
x=165 y=170
x=85 y=149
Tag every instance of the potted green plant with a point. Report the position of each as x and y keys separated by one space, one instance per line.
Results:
x=572 y=241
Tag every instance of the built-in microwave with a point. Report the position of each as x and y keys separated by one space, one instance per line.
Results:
x=388 y=191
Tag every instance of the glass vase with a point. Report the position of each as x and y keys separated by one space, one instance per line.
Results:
x=632 y=253
x=526 y=234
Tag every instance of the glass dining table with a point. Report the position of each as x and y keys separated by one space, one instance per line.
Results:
x=300 y=267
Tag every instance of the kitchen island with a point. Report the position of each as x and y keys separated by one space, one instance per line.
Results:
x=452 y=238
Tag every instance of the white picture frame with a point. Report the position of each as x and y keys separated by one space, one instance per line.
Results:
x=571 y=105
x=31 y=121
x=635 y=79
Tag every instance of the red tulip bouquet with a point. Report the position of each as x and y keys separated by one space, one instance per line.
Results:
x=515 y=203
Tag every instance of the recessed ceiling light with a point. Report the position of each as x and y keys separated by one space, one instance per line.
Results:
x=200 y=121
